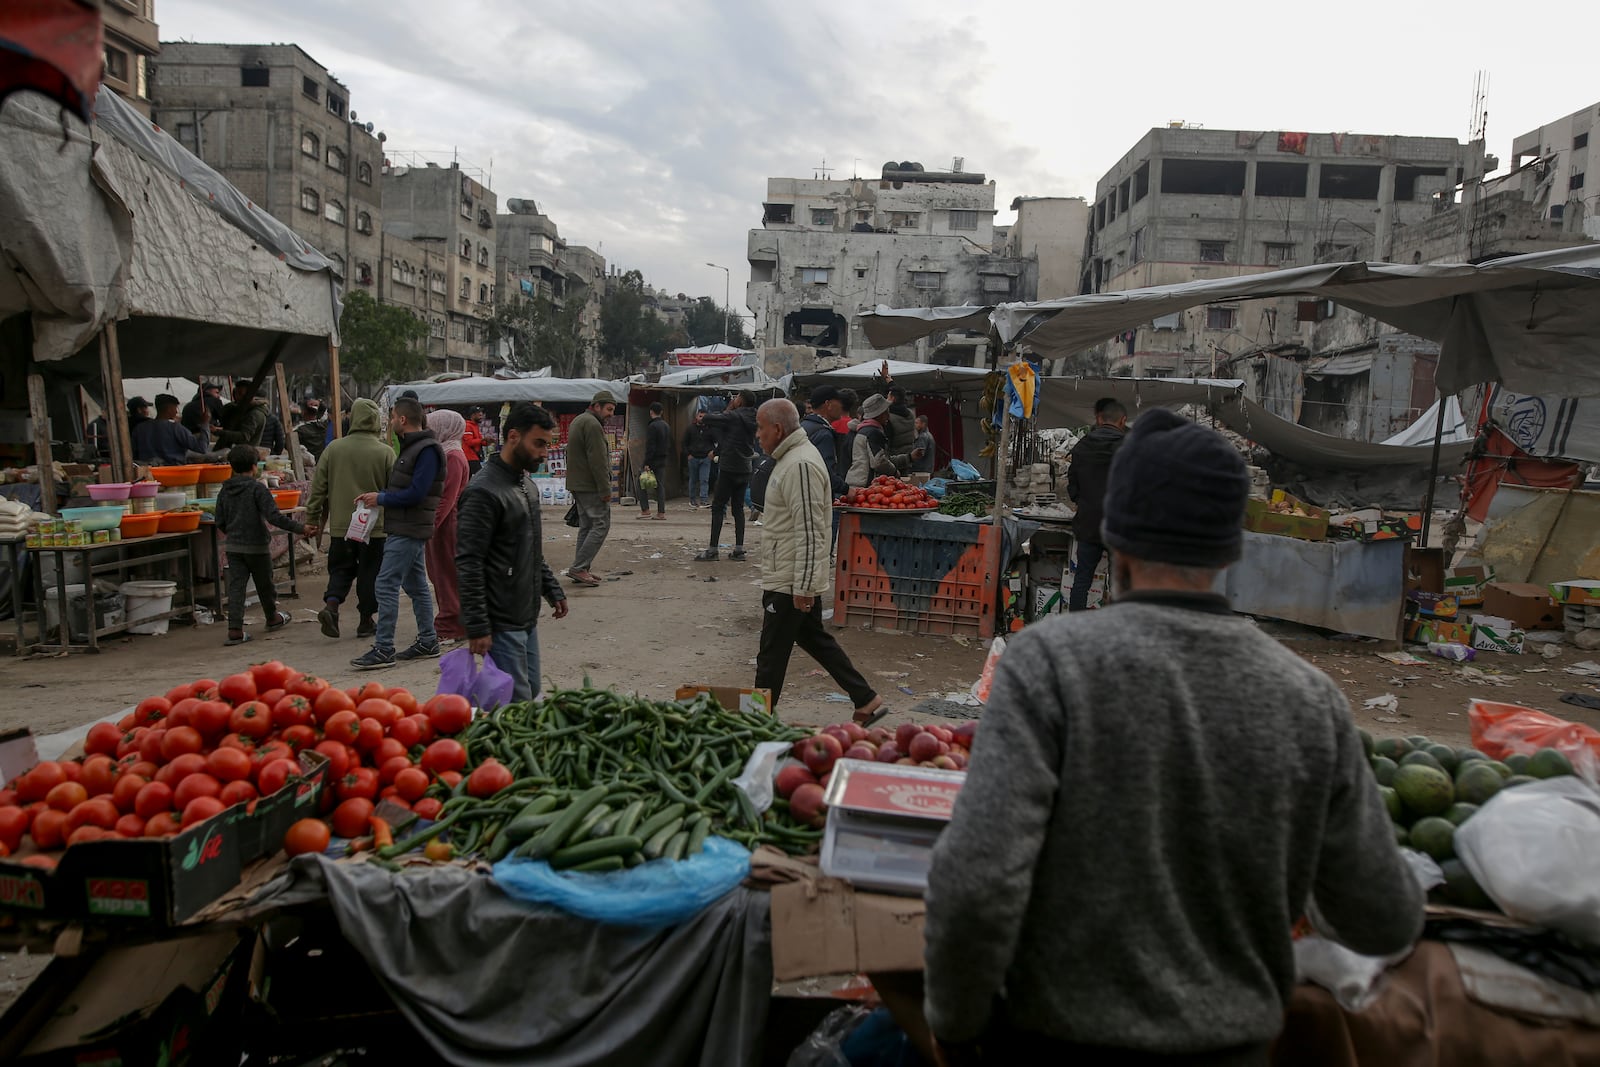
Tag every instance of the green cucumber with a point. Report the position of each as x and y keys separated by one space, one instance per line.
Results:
x=628 y=821
x=654 y=847
x=600 y=848
x=675 y=846
x=660 y=819
x=586 y=827
x=699 y=830
x=555 y=835
x=534 y=816
x=604 y=863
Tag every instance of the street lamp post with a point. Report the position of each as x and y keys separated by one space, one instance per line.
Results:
x=727 y=294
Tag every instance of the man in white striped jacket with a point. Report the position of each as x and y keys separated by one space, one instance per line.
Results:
x=795 y=544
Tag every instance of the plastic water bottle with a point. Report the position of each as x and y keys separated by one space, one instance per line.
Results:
x=1452 y=651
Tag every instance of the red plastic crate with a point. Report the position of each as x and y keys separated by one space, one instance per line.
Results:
x=898 y=572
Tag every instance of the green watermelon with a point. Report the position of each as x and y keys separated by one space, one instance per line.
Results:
x=1424 y=790
x=1477 y=782
x=1435 y=836
x=1548 y=763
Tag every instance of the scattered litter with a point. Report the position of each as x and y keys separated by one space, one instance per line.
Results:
x=1451 y=651
x=907 y=690
x=836 y=698
x=1550 y=651
x=653 y=555
x=1536 y=670
x=1401 y=659
x=1582 y=700
x=1473 y=674
x=203 y=616
x=711 y=577
x=1587 y=669
x=962 y=641
x=965 y=699
x=816 y=672
x=620 y=574
x=1545 y=637
x=1386 y=718
x=827 y=614
x=750 y=663
x=1388 y=702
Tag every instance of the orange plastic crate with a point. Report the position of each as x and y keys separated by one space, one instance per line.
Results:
x=920 y=576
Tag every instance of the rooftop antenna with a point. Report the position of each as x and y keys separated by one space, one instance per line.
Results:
x=855 y=165
x=822 y=172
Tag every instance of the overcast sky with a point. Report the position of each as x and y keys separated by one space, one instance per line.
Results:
x=648 y=130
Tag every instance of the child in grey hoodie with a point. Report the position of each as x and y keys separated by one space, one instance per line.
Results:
x=244 y=508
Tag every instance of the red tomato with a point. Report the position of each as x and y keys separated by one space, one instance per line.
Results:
x=38 y=782
x=237 y=793
x=405 y=701
x=307 y=835
x=397 y=800
x=369 y=735
x=449 y=713
x=450 y=778
x=200 y=809
x=99 y=774
x=387 y=750
x=162 y=824
x=8 y=798
x=237 y=688
x=350 y=817
x=361 y=782
x=271 y=697
x=427 y=807
x=97 y=812
x=273 y=750
x=49 y=829
x=203 y=688
x=444 y=755
x=298 y=736
x=103 y=737
x=407 y=732
x=185 y=765
x=410 y=782
x=14 y=822
x=211 y=718
x=87 y=832
x=153 y=799
x=179 y=692
x=72 y=769
x=330 y=703
x=66 y=796
x=272 y=776
x=179 y=741
x=308 y=686
x=143 y=768
x=269 y=675
x=130 y=825
x=390 y=768
x=251 y=719
x=243 y=744
x=182 y=713
x=488 y=778
x=372 y=691
x=129 y=746
x=152 y=710
x=342 y=726
x=229 y=765
x=150 y=743
x=194 y=787
x=338 y=758
x=126 y=792
x=382 y=711
x=292 y=710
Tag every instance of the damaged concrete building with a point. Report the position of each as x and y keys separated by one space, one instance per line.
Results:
x=828 y=249
x=533 y=261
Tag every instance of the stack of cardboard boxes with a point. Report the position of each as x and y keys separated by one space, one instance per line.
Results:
x=1467 y=606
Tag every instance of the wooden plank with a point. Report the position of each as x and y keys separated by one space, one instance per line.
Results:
x=335 y=401
x=293 y=443
x=39 y=412
x=117 y=416
x=269 y=361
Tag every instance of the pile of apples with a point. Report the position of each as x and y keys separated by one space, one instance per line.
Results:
x=803 y=784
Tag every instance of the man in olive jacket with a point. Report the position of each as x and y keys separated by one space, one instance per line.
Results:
x=356 y=463
x=589 y=482
x=500 y=564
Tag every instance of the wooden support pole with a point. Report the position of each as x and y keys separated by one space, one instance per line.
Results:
x=117 y=405
x=269 y=361
x=39 y=412
x=335 y=400
x=1001 y=474
x=292 y=443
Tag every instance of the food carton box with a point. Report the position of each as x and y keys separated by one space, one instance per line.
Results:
x=730 y=696
x=883 y=820
x=1467 y=584
x=1431 y=605
x=1576 y=594
x=1309 y=524
x=1490 y=634
x=827 y=927
x=1530 y=606
x=1429 y=631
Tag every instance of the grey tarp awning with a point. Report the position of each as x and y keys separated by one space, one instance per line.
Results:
x=463 y=391
x=1527 y=321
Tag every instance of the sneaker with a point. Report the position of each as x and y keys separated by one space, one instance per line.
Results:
x=418 y=650
x=707 y=556
x=328 y=618
x=758 y=522
x=373 y=660
x=737 y=553
x=367 y=626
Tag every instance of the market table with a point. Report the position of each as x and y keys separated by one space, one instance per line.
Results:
x=117 y=557
x=1351 y=587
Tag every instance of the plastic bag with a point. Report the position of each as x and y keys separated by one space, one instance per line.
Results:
x=457 y=672
x=360 y=528
x=1500 y=730
x=658 y=893
x=980 y=688
x=492 y=687
x=1354 y=979
x=964 y=472
x=824 y=1046
x=755 y=781
x=485 y=688
x=1535 y=850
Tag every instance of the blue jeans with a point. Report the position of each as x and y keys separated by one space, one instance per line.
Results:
x=1089 y=555
x=517 y=653
x=403 y=568
x=699 y=479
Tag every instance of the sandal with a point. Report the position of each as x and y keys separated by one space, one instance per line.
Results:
x=241 y=639
x=874 y=713
x=279 y=621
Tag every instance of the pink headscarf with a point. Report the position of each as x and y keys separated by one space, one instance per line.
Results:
x=447 y=427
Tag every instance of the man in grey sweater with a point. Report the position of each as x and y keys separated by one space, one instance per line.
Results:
x=1158 y=791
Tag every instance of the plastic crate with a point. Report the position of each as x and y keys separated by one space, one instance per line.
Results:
x=923 y=576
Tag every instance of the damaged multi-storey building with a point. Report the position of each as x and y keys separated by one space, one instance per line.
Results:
x=533 y=261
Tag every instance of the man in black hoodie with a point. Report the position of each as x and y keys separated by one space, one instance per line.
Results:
x=736 y=444
x=1086 y=485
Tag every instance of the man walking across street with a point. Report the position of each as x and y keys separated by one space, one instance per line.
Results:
x=736 y=434
x=1086 y=487
x=657 y=455
x=794 y=563
x=351 y=466
x=589 y=481
x=416 y=483
x=922 y=453
x=1134 y=823
x=500 y=553
x=698 y=444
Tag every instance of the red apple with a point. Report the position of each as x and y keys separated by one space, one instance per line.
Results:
x=907 y=761
x=904 y=733
x=945 y=763
x=822 y=752
x=791 y=778
x=923 y=747
x=856 y=731
x=960 y=759
x=941 y=732
x=944 y=748
x=880 y=735
x=861 y=751
x=806 y=806
x=965 y=734
x=888 y=752
x=840 y=734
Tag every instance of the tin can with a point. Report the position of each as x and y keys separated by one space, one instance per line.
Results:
x=32 y=540
x=102 y=537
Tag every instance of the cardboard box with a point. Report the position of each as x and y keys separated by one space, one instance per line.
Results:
x=1490 y=634
x=1467 y=584
x=826 y=927
x=1431 y=605
x=730 y=696
x=1260 y=518
x=1430 y=631
x=1425 y=569
x=1576 y=594
x=1530 y=607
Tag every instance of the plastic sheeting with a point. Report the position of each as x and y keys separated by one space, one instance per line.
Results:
x=1422 y=432
x=462 y=391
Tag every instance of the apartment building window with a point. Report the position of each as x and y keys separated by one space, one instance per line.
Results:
x=483 y=255
x=781 y=213
x=484 y=219
x=466 y=248
x=141 y=78
x=926 y=279
x=1580 y=142
x=1137 y=253
x=336 y=159
x=335 y=104
x=310 y=145
x=1221 y=318
x=438 y=326
x=436 y=283
x=309 y=200
x=333 y=211
x=1557 y=212
x=466 y=207
x=1141 y=182
x=1213 y=251
x=116 y=64
x=1278 y=254
x=905 y=220
x=814 y=275
x=963 y=220
x=364 y=172
x=363 y=222
x=538 y=242
x=255 y=77
x=1576 y=181
x=483 y=293
x=997 y=284
x=466 y=288
x=824 y=216
x=310 y=88
x=1122 y=195
x=863 y=217
x=394 y=270
x=364 y=273
x=861 y=272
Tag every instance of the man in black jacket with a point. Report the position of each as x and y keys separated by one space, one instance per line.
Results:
x=500 y=564
x=736 y=445
x=699 y=442
x=1086 y=485
x=657 y=454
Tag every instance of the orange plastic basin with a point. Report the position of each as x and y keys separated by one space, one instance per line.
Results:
x=141 y=525
x=180 y=476
x=286 y=498
x=213 y=472
x=179 y=521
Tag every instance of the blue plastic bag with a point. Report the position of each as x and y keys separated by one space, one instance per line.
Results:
x=658 y=893
x=965 y=472
x=485 y=688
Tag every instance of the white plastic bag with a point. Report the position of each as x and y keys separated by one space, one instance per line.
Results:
x=755 y=781
x=1354 y=979
x=360 y=528
x=1535 y=850
x=980 y=688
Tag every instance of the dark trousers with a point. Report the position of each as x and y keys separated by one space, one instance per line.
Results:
x=782 y=627
x=242 y=568
x=353 y=563
x=730 y=491
x=661 y=491
x=1089 y=556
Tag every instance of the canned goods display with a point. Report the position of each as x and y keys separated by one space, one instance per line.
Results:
x=102 y=537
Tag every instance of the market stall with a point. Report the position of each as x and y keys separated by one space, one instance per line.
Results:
x=681 y=393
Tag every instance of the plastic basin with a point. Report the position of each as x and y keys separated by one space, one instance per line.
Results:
x=98 y=518
x=286 y=498
x=171 y=500
x=110 y=491
x=141 y=490
x=141 y=525
x=186 y=475
x=214 y=472
x=178 y=522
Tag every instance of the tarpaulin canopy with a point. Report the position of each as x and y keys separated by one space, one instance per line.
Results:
x=914 y=377
x=463 y=391
x=1526 y=321
x=1423 y=430
x=703 y=379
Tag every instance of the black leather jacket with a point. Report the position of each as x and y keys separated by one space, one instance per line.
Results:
x=500 y=566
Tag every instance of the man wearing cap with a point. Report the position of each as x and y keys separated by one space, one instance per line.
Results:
x=1138 y=906
x=869 y=455
x=1086 y=488
x=589 y=482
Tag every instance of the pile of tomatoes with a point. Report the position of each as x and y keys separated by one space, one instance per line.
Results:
x=181 y=758
x=889 y=494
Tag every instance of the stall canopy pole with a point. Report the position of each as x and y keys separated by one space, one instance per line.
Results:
x=268 y=361
x=117 y=415
x=1000 y=473
x=335 y=400
x=39 y=412
x=1433 y=476
x=291 y=442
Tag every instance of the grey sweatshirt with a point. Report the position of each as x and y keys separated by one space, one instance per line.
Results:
x=1156 y=790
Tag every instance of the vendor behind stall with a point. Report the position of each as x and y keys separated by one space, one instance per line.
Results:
x=164 y=440
x=1160 y=790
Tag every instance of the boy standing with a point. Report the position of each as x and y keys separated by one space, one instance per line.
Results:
x=244 y=508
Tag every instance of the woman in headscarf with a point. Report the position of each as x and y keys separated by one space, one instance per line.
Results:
x=447 y=427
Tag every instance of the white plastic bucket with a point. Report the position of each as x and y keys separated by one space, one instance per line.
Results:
x=52 y=605
x=144 y=599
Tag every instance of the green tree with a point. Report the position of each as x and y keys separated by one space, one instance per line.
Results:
x=704 y=325
x=542 y=334
x=380 y=343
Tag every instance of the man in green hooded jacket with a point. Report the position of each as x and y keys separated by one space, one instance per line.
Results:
x=356 y=463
